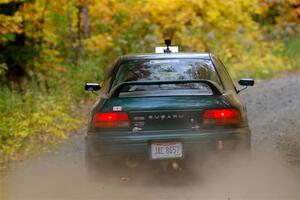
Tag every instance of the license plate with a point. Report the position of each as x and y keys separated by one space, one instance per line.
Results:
x=165 y=150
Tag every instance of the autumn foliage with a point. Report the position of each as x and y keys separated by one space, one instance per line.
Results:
x=49 y=48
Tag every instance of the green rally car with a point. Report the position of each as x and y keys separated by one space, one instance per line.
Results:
x=166 y=106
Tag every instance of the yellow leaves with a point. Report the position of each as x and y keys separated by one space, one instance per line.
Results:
x=262 y=8
x=23 y=133
x=10 y=24
x=101 y=42
x=103 y=10
x=209 y=24
x=213 y=9
x=4 y=1
x=36 y=121
x=171 y=17
x=30 y=12
x=280 y=12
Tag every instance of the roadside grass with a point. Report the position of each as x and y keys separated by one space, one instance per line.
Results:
x=38 y=118
x=292 y=51
x=32 y=122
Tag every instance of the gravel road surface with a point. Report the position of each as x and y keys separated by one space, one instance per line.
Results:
x=273 y=172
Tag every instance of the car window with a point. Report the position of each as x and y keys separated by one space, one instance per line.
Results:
x=166 y=70
x=226 y=80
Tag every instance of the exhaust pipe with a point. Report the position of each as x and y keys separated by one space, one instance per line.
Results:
x=175 y=165
x=170 y=165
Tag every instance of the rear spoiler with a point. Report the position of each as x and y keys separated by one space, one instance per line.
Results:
x=117 y=89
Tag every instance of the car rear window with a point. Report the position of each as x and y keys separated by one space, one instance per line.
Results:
x=167 y=70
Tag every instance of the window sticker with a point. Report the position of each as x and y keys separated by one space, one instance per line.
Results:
x=117 y=108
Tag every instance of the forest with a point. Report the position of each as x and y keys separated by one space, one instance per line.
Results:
x=50 y=48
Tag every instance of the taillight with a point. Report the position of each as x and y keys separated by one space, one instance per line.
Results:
x=221 y=117
x=111 y=120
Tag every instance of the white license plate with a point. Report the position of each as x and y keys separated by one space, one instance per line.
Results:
x=164 y=150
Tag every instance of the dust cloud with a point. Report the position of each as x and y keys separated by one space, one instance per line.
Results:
x=259 y=176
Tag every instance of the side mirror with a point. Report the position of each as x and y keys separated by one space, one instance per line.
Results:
x=246 y=82
x=92 y=86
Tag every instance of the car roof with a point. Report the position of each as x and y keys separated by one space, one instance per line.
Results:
x=164 y=56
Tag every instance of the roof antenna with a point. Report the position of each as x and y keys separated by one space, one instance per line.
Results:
x=168 y=43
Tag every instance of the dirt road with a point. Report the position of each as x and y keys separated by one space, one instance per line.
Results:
x=272 y=173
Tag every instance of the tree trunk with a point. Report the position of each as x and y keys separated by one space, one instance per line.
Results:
x=85 y=19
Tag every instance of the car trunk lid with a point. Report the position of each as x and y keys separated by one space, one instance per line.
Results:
x=164 y=113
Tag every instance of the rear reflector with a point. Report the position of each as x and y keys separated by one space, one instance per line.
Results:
x=221 y=117
x=111 y=120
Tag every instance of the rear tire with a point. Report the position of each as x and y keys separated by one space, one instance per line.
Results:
x=95 y=167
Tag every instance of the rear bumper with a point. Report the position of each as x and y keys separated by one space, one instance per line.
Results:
x=116 y=145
